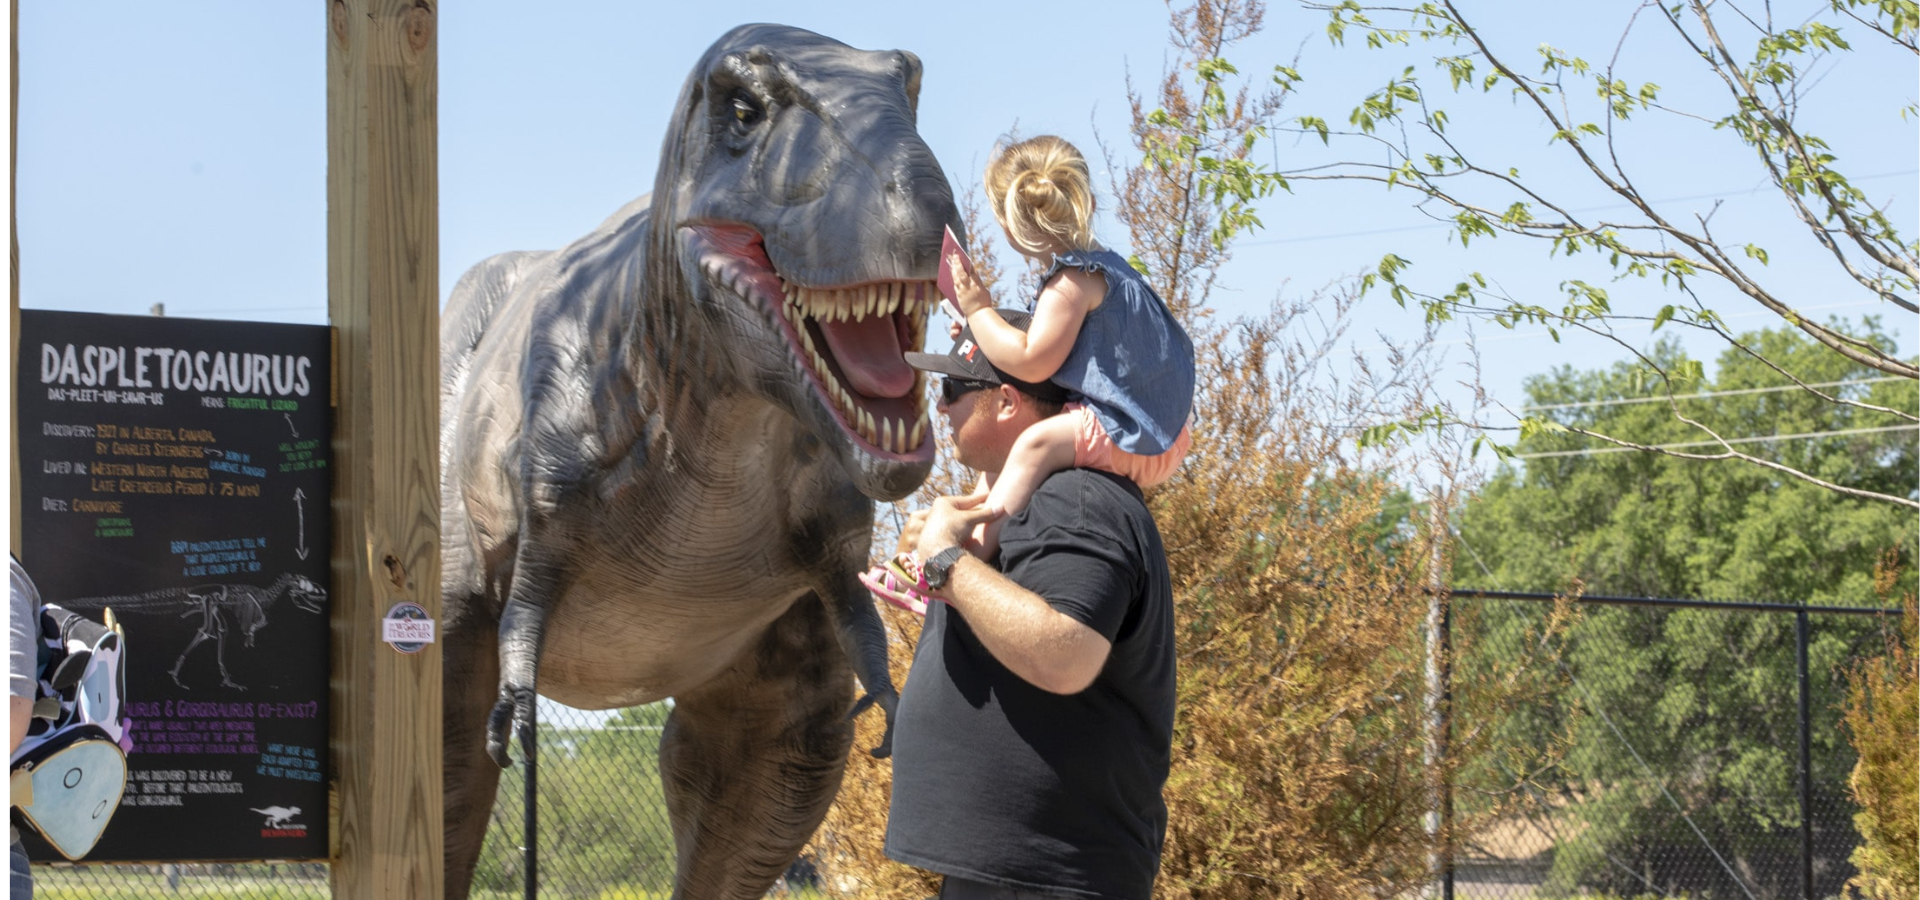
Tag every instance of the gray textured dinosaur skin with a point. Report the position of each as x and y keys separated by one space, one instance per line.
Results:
x=660 y=445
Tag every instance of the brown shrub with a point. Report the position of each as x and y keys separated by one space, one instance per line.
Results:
x=1883 y=717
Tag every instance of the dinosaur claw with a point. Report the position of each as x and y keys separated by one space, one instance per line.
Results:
x=513 y=713
x=867 y=701
x=497 y=723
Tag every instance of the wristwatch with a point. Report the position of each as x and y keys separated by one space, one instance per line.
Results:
x=940 y=567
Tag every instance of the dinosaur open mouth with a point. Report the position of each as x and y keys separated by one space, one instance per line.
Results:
x=849 y=340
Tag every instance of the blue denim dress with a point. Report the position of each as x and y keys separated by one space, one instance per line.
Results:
x=1132 y=363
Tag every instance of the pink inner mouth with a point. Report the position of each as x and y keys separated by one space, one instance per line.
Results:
x=848 y=339
x=870 y=355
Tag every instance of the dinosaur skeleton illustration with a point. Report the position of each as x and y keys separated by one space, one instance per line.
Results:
x=222 y=608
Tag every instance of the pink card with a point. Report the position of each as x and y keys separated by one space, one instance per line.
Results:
x=949 y=249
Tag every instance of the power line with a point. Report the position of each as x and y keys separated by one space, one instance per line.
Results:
x=1449 y=223
x=1735 y=393
x=1593 y=451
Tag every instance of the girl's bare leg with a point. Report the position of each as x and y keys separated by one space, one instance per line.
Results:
x=1044 y=448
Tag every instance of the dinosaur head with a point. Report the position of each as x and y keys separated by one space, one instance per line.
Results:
x=803 y=215
x=306 y=595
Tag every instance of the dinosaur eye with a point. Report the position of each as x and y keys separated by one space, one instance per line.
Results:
x=745 y=110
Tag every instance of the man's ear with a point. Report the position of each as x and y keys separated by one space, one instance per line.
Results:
x=1007 y=401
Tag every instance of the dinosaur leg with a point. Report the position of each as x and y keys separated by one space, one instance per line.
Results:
x=470 y=670
x=752 y=759
x=202 y=605
x=220 y=653
x=198 y=637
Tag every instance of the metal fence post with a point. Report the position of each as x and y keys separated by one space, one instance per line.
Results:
x=1439 y=818
x=530 y=756
x=1806 y=759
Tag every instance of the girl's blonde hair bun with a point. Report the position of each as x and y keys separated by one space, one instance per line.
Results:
x=1042 y=195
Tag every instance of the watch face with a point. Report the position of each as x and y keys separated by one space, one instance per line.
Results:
x=941 y=566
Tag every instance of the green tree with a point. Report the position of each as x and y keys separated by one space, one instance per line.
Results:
x=1671 y=264
x=1680 y=725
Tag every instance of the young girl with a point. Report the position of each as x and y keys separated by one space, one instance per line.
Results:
x=1098 y=330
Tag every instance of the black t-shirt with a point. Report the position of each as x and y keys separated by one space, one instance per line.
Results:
x=996 y=780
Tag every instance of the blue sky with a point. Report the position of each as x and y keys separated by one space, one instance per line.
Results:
x=177 y=155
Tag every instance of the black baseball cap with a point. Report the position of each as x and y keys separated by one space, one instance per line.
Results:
x=966 y=360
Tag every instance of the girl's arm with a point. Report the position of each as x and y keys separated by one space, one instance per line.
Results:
x=1034 y=354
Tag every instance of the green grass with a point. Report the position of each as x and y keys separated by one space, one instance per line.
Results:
x=123 y=883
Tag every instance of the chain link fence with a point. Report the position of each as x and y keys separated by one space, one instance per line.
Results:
x=603 y=832
x=1660 y=750
x=1656 y=753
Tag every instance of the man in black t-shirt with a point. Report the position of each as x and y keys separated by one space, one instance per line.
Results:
x=1033 y=735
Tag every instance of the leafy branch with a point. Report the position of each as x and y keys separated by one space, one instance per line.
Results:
x=1408 y=147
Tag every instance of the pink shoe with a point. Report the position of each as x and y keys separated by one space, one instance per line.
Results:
x=898 y=582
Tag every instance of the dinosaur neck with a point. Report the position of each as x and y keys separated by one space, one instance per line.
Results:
x=279 y=587
x=667 y=373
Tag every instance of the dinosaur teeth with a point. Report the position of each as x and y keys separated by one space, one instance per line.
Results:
x=919 y=428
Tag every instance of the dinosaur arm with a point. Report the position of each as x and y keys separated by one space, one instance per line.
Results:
x=863 y=638
x=553 y=461
x=523 y=624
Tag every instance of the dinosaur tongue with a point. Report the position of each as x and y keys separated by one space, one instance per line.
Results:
x=869 y=355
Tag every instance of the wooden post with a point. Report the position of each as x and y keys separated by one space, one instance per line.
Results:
x=384 y=299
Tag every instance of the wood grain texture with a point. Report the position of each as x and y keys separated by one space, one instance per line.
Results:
x=383 y=297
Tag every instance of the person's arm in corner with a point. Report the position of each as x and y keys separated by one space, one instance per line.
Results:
x=19 y=715
x=1050 y=650
x=22 y=656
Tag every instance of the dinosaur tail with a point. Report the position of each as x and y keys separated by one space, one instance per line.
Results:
x=125 y=602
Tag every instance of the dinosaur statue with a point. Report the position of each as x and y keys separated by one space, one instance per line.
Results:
x=222 y=608
x=660 y=446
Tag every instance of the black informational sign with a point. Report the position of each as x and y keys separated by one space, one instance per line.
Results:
x=178 y=471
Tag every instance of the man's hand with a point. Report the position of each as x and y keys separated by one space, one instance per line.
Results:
x=948 y=522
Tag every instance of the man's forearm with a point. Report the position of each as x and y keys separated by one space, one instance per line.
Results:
x=1033 y=640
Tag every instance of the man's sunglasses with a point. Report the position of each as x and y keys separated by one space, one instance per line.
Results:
x=952 y=389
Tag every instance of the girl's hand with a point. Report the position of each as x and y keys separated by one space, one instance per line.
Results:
x=973 y=296
x=953 y=330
